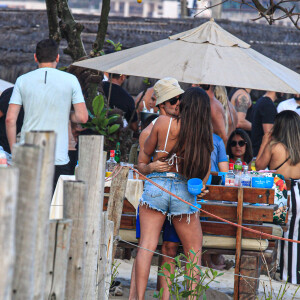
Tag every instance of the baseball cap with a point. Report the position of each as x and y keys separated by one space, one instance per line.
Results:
x=166 y=89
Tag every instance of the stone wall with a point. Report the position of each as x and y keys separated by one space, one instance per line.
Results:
x=21 y=30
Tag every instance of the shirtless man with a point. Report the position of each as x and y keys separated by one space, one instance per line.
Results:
x=231 y=118
x=217 y=113
x=241 y=100
x=168 y=102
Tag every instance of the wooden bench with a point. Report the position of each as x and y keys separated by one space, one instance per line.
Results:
x=236 y=205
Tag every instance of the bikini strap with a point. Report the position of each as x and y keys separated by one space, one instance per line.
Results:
x=167 y=135
x=282 y=163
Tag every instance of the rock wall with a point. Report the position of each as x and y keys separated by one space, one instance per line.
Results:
x=21 y=30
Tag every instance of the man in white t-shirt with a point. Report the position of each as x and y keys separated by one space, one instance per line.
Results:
x=290 y=104
x=47 y=95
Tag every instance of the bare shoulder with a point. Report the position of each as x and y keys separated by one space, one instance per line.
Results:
x=161 y=120
x=279 y=151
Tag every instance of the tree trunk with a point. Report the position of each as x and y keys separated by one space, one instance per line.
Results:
x=70 y=30
x=102 y=27
x=54 y=32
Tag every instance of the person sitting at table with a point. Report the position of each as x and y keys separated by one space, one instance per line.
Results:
x=219 y=161
x=280 y=151
x=239 y=146
x=167 y=141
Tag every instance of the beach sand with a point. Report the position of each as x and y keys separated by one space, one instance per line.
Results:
x=219 y=291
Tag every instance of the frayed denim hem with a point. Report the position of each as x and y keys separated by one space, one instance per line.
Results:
x=169 y=215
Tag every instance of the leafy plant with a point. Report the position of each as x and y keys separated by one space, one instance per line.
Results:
x=269 y=293
x=117 y=46
x=114 y=272
x=186 y=282
x=101 y=122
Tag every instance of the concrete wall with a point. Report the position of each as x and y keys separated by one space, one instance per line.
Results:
x=21 y=30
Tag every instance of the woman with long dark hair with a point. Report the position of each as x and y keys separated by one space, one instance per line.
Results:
x=186 y=143
x=239 y=146
x=280 y=151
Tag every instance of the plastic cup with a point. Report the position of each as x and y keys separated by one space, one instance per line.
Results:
x=195 y=186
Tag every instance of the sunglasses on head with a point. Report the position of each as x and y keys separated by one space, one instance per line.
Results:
x=240 y=143
x=174 y=100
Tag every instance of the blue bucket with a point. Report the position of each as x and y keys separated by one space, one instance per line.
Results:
x=258 y=182
x=269 y=182
x=195 y=186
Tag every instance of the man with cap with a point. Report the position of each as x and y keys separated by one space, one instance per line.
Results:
x=168 y=93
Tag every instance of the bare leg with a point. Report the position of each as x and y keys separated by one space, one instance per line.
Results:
x=212 y=261
x=132 y=290
x=169 y=249
x=190 y=235
x=151 y=222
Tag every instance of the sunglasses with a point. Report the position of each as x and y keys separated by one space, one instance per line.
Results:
x=240 y=143
x=174 y=100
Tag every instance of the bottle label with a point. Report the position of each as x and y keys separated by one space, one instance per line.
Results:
x=246 y=183
x=229 y=181
x=238 y=167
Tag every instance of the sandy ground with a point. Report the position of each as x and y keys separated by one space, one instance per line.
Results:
x=220 y=291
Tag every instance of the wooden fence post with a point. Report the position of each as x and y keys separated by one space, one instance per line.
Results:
x=59 y=244
x=238 y=243
x=91 y=170
x=105 y=258
x=8 y=210
x=28 y=158
x=75 y=203
x=116 y=200
x=46 y=140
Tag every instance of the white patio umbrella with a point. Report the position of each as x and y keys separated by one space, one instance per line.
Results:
x=207 y=54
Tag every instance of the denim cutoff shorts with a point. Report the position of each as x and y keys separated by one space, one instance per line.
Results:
x=159 y=200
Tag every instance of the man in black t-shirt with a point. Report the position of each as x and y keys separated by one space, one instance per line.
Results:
x=121 y=99
x=263 y=116
x=4 y=100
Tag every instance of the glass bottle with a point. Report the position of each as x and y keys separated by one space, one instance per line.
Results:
x=238 y=169
x=111 y=164
x=245 y=178
x=238 y=166
x=253 y=168
x=229 y=179
x=118 y=153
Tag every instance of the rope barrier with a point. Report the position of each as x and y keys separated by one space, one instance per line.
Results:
x=214 y=216
x=118 y=238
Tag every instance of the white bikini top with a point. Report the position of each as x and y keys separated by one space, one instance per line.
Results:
x=174 y=158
